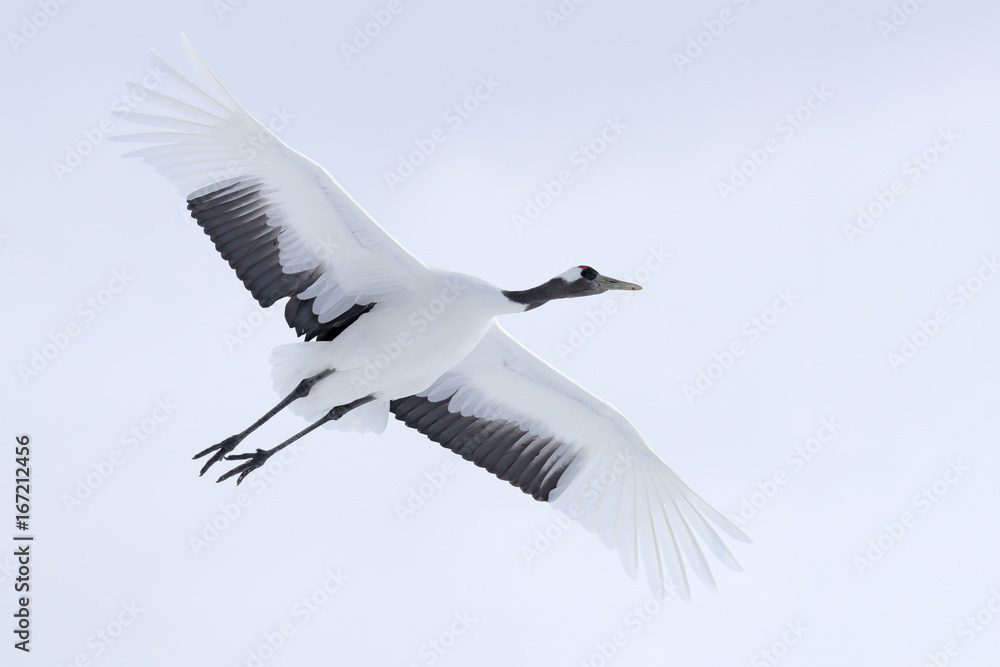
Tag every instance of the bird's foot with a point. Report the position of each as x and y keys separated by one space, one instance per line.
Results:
x=221 y=449
x=255 y=460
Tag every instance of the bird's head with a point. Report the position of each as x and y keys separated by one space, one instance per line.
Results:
x=583 y=280
x=578 y=281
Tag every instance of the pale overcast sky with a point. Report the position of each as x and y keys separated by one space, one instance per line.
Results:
x=807 y=192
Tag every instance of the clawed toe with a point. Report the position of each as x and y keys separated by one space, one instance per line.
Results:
x=253 y=461
x=221 y=450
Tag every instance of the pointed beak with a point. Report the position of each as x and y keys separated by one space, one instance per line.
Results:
x=613 y=283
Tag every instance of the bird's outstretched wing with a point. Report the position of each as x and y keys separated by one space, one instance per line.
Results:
x=508 y=411
x=277 y=217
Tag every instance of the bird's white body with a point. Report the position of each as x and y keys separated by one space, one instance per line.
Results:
x=419 y=342
x=396 y=349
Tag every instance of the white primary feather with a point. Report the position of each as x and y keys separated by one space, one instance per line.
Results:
x=212 y=139
x=616 y=486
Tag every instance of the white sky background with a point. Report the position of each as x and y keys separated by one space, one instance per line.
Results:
x=163 y=337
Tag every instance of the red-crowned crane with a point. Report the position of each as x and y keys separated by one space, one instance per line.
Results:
x=385 y=333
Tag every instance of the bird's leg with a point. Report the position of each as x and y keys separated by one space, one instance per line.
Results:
x=230 y=443
x=258 y=458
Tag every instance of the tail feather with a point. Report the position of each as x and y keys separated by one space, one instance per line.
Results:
x=295 y=362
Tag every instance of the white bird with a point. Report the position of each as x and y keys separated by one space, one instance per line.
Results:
x=385 y=333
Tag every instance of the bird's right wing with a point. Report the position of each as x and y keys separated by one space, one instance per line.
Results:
x=277 y=217
x=508 y=411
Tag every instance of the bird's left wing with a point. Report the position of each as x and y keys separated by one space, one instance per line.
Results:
x=279 y=219
x=508 y=411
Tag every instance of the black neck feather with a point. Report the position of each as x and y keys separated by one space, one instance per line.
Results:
x=557 y=288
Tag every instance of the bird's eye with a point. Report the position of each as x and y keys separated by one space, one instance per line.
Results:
x=588 y=273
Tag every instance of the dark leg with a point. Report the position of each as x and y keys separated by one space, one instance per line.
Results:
x=230 y=443
x=260 y=457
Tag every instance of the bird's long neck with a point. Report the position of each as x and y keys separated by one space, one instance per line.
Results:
x=537 y=296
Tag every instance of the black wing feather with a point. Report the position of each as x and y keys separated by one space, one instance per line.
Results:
x=530 y=462
x=237 y=217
